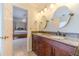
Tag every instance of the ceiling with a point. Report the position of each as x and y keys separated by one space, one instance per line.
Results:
x=35 y=6
x=39 y=6
x=19 y=13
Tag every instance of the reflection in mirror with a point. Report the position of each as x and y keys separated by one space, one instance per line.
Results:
x=61 y=17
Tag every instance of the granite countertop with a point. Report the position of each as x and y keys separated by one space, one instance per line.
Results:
x=70 y=41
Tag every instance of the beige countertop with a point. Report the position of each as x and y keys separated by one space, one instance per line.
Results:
x=70 y=41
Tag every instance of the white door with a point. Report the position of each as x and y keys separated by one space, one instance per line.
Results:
x=1 y=40
x=6 y=29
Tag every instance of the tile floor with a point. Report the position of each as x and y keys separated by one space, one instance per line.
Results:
x=21 y=53
x=19 y=48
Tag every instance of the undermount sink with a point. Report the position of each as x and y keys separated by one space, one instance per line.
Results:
x=72 y=39
x=53 y=36
x=57 y=37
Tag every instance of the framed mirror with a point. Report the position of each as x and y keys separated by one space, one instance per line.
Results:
x=43 y=23
x=61 y=17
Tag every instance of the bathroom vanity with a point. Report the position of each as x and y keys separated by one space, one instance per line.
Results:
x=44 y=44
x=49 y=45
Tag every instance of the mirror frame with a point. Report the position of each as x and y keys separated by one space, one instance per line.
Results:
x=63 y=15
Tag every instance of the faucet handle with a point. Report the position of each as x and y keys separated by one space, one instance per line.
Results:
x=57 y=33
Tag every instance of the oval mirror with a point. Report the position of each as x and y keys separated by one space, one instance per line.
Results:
x=61 y=16
x=43 y=23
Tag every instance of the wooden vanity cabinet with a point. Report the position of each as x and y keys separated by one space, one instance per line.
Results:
x=60 y=52
x=62 y=49
x=40 y=47
x=46 y=47
x=35 y=44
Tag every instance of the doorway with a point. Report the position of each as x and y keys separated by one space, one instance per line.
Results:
x=19 y=31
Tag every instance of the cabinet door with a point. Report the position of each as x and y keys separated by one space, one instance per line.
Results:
x=34 y=44
x=47 y=49
x=52 y=51
x=37 y=45
x=40 y=48
x=60 y=52
x=61 y=49
x=44 y=47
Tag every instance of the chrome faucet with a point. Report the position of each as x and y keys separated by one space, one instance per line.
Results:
x=58 y=33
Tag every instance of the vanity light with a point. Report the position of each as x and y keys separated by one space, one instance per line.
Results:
x=42 y=12
x=38 y=15
x=45 y=9
x=51 y=5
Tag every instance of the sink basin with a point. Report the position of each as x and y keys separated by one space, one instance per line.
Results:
x=53 y=36
x=72 y=39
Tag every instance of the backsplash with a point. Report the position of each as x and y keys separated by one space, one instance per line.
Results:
x=73 y=35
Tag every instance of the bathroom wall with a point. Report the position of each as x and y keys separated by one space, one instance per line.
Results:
x=72 y=26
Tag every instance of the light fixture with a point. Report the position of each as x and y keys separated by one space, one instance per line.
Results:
x=42 y=12
x=45 y=9
x=51 y=5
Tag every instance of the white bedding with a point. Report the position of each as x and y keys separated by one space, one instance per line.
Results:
x=20 y=32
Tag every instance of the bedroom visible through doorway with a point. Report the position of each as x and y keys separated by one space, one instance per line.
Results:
x=20 y=31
